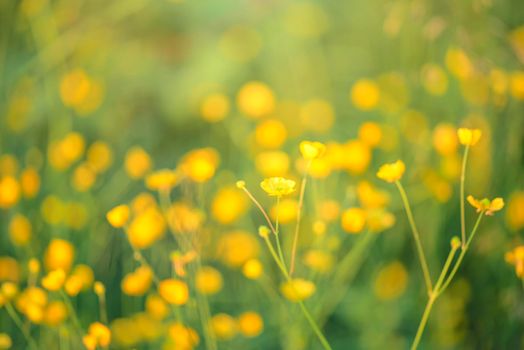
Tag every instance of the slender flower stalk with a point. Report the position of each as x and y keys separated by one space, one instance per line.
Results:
x=303 y=308
x=281 y=265
x=277 y=238
x=416 y=236
x=16 y=319
x=462 y=197
x=435 y=294
x=299 y=216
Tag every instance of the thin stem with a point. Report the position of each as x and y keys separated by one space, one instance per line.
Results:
x=102 y=308
x=16 y=319
x=277 y=238
x=254 y=200
x=462 y=180
x=72 y=312
x=432 y=298
x=461 y=256
x=423 y=322
x=303 y=307
x=299 y=215
x=420 y=250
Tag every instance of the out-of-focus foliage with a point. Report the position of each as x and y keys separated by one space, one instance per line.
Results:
x=125 y=126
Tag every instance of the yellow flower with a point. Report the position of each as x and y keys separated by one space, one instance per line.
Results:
x=469 y=137
x=391 y=172
x=55 y=313
x=54 y=280
x=255 y=99
x=278 y=186
x=250 y=324
x=100 y=333
x=59 y=255
x=224 y=326
x=162 y=179
x=252 y=269
x=137 y=162
x=174 y=291
x=353 y=220
x=516 y=257
x=5 y=341
x=365 y=94
x=20 y=230
x=297 y=289
x=312 y=149
x=118 y=216
x=137 y=283
x=208 y=280
x=486 y=205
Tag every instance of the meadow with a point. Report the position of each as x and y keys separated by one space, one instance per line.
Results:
x=254 y=174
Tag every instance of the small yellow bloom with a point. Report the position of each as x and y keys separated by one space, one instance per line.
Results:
x=253 y=269
x=162 y=179
x=174 y=291
x=101 y=333
x=5 y=341
x=54 y=280
x=99 y=288
x=297 y=289
x=224 y=326
x=208 y=280
x=486 y=205
x=250 y=324
x=353 y=220
x=312 y=149
x=278 y=186
x=241 y=184
x=118 y=216
x=469 y=137
x=391 y=172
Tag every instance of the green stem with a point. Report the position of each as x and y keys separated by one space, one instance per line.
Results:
x=299 y=215
x=16 y=319
x=72 y=312
x=423 y=321
x=433 y=297
x=277 y=238
x=462 y=181
x=461 y=256
x=303 y=308
x=416 y=236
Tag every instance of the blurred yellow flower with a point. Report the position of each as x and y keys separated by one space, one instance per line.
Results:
x=9 y=192
x=228 y=205
x=286 y=211
x=137 y=162
x=100 y=333
x=469 y=137
x=156 y=307
x=146 y=228
x=214 y=107
x=278 y=186
x=485 y=205
x=252 y=269
x=357 y=156
x=162 y=180
x=458 y=63
x=445 y=139
x=391 y=172
x=370 y=133
x=224 y=326
x=297 y=289
x=250 y=324
x=200 y=165
x=516 y=257
x=272 y=163
x=54 y=280
x=517 y=85
x=255 y=99
x=118 y=216
x=353 y=220
x=208 y=280
x=365 y=94
x=270 y=133
x=515 y=211
x=184 y=338
x=138 y=282
x=20 y=230
x=5 y=341
x=318 y=260
x=312 y=149
x=99 y=156
x=59 y=255
x=174 y=291
x=55 y=313
x=391 y=281
x=237 y=247
x=434 y=79
x=30 y=182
